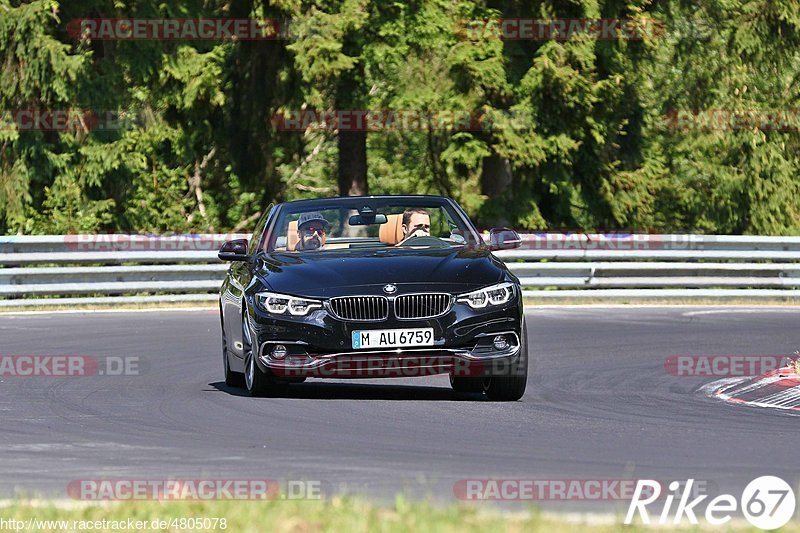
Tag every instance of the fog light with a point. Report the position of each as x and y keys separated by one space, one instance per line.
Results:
x=279 y=351
x=500 y=342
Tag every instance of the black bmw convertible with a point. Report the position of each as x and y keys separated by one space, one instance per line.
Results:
x=372 y=286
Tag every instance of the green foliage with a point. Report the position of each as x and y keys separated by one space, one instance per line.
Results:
x=585 y=127
x=38 y=72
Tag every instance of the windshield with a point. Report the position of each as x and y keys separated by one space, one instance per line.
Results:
x=387 y=223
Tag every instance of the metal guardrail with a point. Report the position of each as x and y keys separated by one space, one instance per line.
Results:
x=118 y=268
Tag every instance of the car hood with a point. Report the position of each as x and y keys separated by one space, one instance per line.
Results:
x=333 y=273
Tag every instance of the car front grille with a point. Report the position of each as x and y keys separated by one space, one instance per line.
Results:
x=366 y=308
x=421 y=305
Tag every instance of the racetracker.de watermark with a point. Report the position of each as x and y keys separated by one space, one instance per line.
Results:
x=561 y=29
x=177 y=29
x=68 y=366
x=196 y=489
x=611 y=240
x=68 y=120
x=741 y=365
x=559 y=489
x=389 y=365
x=378 y=120
x=101 y=242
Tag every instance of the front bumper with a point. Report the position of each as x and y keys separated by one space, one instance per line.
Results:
x=481 y=361
x=319 y=345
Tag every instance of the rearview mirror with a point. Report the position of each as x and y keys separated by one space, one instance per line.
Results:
x=235 y=250
x=367 y=220
x=504 y=239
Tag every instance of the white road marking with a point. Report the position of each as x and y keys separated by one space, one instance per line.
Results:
x=744 y=310
x=97 y=311
x=788 y=399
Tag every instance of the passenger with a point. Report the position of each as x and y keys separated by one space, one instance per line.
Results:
x=416 y=223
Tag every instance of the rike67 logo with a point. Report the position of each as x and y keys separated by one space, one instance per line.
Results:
x=767 y=502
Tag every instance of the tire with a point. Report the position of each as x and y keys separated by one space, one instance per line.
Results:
x=257 y=383
x=511 y=387
x=232 y=379
x=462 y=384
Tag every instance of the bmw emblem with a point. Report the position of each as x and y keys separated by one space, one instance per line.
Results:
x=390 y=289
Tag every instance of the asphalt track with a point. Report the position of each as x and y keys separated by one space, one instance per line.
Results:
x=599 y=406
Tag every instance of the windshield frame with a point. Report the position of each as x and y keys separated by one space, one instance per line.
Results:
x=269 y=236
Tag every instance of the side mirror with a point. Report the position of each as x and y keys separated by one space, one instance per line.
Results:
x=504 y=239
x=235 y=250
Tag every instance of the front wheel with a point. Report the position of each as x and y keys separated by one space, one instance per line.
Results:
x=511 y=386
x=256 y=382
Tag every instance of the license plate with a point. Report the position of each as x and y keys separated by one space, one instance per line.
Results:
x=392 y=338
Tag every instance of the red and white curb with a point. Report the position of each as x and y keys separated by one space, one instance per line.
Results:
x=778 y=389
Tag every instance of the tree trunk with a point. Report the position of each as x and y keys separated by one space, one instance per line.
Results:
x=351 y=95
x=353 y=163
x=495 y=180
x=495 y=175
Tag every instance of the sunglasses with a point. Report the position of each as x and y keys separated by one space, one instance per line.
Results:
x=426 y=227
x=311 y=231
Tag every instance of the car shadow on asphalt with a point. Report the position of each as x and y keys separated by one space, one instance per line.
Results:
x=361 y=391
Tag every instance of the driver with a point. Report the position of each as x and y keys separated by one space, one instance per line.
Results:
x=416 y=223
x=311 y=229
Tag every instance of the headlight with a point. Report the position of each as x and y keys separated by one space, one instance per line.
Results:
x=282 y=304
x=494 y=295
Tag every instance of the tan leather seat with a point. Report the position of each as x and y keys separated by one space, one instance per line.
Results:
x=291 y=237
x=392 y=231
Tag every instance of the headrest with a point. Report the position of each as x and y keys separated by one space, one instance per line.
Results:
x=392 y=231
x=291 y=236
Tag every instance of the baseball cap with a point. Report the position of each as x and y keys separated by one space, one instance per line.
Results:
x=314 y=216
